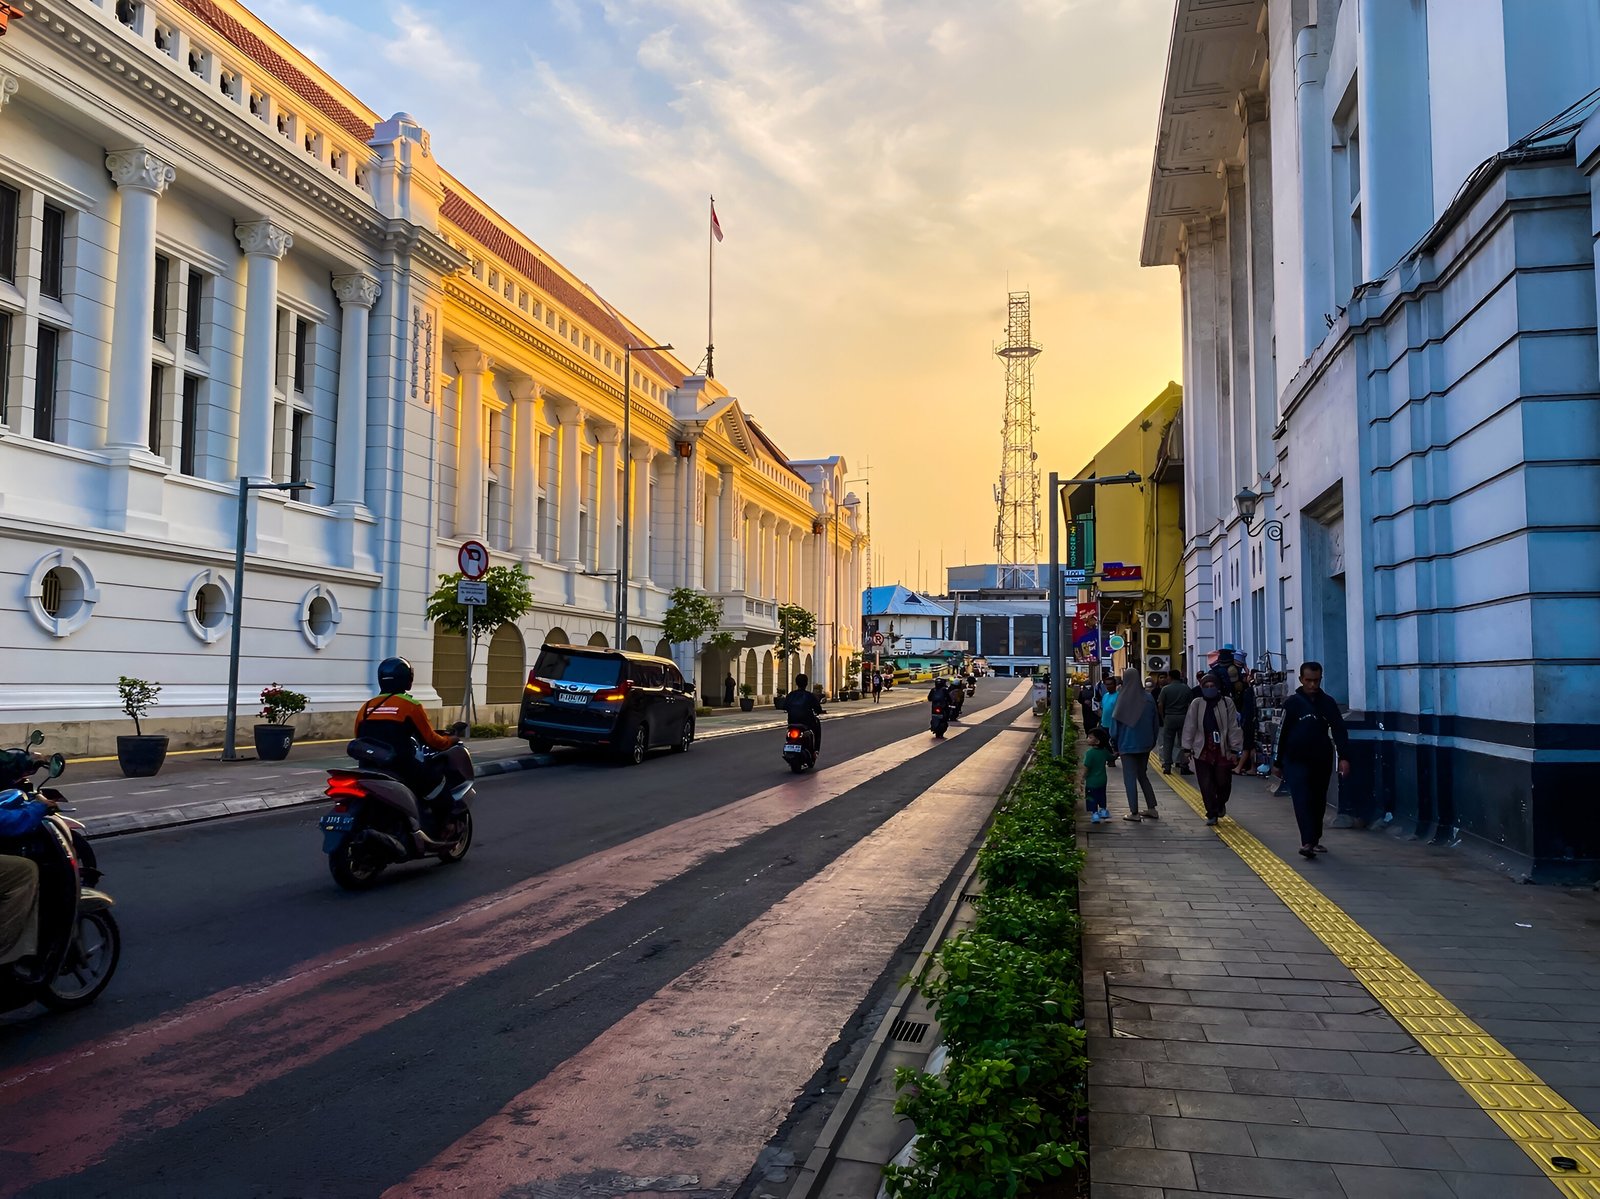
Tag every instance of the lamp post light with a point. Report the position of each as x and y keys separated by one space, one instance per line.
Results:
x=1058 y=669
x=241 y=528
x=1247 y=501
x=627 y=488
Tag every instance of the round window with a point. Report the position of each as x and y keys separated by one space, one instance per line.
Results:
x=319 y=616
x=210 y=607
x=61 y=593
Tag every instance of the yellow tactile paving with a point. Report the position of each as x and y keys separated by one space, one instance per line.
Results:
x=1533 y=1115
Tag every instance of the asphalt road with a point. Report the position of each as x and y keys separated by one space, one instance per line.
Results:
x=470 y=1029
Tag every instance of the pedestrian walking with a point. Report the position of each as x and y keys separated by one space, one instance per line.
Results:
x=1134 y=735
x=727 y=691
x=1172 y=705
x=1212 y=735
x=1108 y=706
x=1095 y=760
x=1312 y=736
x=877 y=688
x=1244 y=699
x=1087 y=706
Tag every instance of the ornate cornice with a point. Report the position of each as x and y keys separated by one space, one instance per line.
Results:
x=140 y=170
x=358 y=290
x=263 y=237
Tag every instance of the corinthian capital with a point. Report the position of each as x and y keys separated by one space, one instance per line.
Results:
x=263 y=237
x=356 y=291
x=139 y=169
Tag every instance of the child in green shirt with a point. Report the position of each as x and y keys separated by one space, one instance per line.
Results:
x=1095 y=760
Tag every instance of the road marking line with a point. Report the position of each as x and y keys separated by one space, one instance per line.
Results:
x=1540 y=1121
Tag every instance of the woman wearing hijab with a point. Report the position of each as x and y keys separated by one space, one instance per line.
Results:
x=1134 y=732
x=1211 y=732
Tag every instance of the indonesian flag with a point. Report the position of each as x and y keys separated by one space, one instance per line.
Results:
x=716 y=225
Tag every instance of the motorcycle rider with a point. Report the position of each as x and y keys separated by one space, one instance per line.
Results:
x=805 y=710
x=19 y=881
x=957 y=695
x=398 y=721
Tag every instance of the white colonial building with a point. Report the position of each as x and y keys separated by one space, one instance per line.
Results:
x=215 y=262
x=1384 y=214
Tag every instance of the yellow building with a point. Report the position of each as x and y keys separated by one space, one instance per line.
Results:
x=1134 y=537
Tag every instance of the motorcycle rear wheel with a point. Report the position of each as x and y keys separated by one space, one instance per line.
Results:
x=353 y=867
x=92 y=960
x=458 y=847
x=797 y=766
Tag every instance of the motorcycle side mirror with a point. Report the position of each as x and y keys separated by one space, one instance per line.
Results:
x=57 y=765
x=459 y=729
x=36 y=737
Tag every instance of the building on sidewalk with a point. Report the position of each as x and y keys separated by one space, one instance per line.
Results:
x=1130 y=539
x=1384 y=216
x=217 y=262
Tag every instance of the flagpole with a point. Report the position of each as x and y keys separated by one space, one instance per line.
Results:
x=711 y=241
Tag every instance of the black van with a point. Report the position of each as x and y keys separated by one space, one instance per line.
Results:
x=587 y=695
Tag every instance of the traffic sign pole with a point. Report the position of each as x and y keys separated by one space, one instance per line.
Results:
x=473 y=560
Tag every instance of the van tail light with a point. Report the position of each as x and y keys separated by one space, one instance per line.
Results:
x=537 y=686
x=345 y=786
x=617 y=693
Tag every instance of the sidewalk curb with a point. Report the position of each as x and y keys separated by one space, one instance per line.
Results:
x=819 y=1164
x=118 y=824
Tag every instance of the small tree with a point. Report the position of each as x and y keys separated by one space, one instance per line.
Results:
x=795 y=625
x=279 y=703
x=510 y=597
x=138 y=697
x=690 y=615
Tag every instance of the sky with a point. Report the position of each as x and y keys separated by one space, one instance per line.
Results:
x=885 y=172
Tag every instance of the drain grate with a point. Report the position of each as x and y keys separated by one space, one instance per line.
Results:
x=909 y=1032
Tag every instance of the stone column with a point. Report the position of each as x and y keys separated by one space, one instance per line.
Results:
x=357 y=293
x=1263 y=331
x=570 y=484
x=797 y=566
x=639 y=565
x=264 y=244
x=141 y=177
x=524 y=468
x=473 y=366
x=769 y=555
x=749 y=550
x=716 y=582
x=729 y=531
x=785 y=592
x=605 y=455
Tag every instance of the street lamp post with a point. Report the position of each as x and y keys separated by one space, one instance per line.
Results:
x=1058 y=668
x=241 y=527
x=1247 y=501
x=623 y=560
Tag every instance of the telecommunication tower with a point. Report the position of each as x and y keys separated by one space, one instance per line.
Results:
x=1016 y=533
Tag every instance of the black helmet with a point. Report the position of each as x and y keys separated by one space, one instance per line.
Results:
x=395 y=675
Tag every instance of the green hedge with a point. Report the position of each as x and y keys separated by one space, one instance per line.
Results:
x=1006 y=1112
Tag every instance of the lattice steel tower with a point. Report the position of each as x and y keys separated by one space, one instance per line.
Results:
x=1016 y=533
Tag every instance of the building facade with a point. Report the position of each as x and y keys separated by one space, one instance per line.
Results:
x=1384 y=215
x=217 y=263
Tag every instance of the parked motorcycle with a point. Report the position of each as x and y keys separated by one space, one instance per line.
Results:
x=800 y=748
x=378 y=820
x=79 y=943
x=939 y=724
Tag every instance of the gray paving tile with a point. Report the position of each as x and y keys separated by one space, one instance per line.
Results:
x=1422 y=1153
x=1377 y=1182
x=1498 y=1186
x=1125 y=1049
x=1485 y=1155
x=1120 y=1128
x=1399 y=1065
x=1295 y=1084
x=1138 y=1100
x=1203 y=1136
x=1185 y=1076
x=1322 y=1061
x=1273 y=1178
x=1365 y=1117
x=1143 y=1167
x=1221 y=1105
x=1446 y=1121
x=1332 y=1145
x=1109 y=1190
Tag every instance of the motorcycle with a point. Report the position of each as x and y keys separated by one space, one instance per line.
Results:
x=939 y=724
x=800 y=748
x=972 y=687
x=378 y=820
x=79 y=943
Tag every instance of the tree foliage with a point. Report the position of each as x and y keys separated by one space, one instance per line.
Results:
x=138 y=697
x=795 y=625
x=510 y=598
x=690 y=615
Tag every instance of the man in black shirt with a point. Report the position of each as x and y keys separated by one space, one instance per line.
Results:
x=1313 y=733
x=805 y=710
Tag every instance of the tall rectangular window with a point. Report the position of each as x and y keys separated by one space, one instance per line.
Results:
x=191 y=316
x=5 y=369
x=299 y=425
x=156 y=374
x=10 y=205
x=302 y=334
x=53 y=251
x=190 y=425
x=44 y=384
x=158 y=315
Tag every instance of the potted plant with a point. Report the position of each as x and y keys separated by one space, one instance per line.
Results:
x=274 y=738
x=747 y=698
x=140 y=756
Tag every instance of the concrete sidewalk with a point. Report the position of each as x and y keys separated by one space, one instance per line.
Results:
x=198 y=785
x=1233 y=1052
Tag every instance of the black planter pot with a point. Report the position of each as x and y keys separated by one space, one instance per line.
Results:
x=141 y=756
x=747 y=705
x=273 y=741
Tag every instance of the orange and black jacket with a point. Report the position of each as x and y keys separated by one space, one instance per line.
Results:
x=392 y=718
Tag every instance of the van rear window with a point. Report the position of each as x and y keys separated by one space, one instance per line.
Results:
x=560 y=666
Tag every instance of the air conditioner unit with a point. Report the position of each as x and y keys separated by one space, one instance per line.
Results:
x=1158 y=620
x=1157 y=662
x=1156 y=642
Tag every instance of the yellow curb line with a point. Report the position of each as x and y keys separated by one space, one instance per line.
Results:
x=1532 y=1114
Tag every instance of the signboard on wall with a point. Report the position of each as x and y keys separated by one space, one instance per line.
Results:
x=1080 y=544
